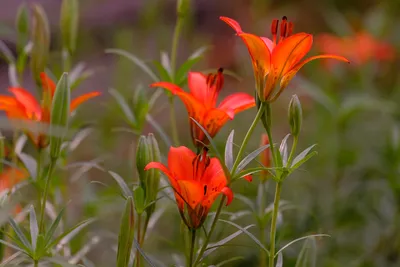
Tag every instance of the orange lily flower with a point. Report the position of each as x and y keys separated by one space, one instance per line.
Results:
x=12 y=176
x=275 y=63
x=360 y=48
x=23 y=105
x=265 y=157
x=201 y=103
x=197 y=180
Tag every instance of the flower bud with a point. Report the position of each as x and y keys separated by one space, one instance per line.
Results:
x=41 y=41
x=69 y=24
x=265 y=157
x=59 y=115
x=295 y=116
x=148 y=151
x=22 y=25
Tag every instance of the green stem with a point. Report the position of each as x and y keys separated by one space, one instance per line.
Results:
x=66 y=60
x=139 y=225
x=273 y=223
x=263 y=255
x=234 y=168
x=247 y=138
x=175 y=42
x=45 y=194
x=146 y=224
x=36 y=263
x=291 y=155
x=192 y=246
x=174 y=127
x=269 y=133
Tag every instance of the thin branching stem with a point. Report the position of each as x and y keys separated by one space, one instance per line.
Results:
x=45 y=194
x=192 y=246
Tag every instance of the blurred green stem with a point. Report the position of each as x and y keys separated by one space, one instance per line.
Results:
x=174 y=127
x=295 y=139
x=139 y=225
x=234 y=168
x=45 y=194
x=192 y=246
x=66 y=60
x=278 y=190
x=175 y=43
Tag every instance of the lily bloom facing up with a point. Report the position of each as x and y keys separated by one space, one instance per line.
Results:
x=359 y=48
x=276 y=62
x=23 y=105
x=197 y=181
x=201 y=103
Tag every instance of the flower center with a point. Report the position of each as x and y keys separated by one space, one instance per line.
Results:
x=200 y=164
x=214 y=85
x=286 y=29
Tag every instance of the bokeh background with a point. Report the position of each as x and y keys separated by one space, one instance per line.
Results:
x=350 y=191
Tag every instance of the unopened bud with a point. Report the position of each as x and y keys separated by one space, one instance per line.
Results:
x=22 y=25
x=295 y=116
x=148 y=151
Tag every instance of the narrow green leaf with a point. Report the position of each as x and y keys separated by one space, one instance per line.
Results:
x=29 y=163
x=229 y=151
x=308 y=254
x=247 y=233
x=199 y=52
x=181 y=74
x=130 y=117
x=135 y=60
x=163 y=73
x=212 y=143
x=126 y=234
x=23 y=250
x=146 y=258
x=212 y=247
x=22 y=26
x=302 y=155
x=65 y=237
x=250 y=157
x=21 y=236
x=34 y=229
x=60 y=110
x=279 y=262
x=222 y=263
x=69 y=22
x=299 y=239
x=6 y=53
x=53 y=227
x=283 y=150
x=166 y=63
x=126 y=192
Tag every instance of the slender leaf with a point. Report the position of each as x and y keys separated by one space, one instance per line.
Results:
x=163 y=73
x=147 y=259
x=181 y=74
x=308 y=254
x=68 y=235
x=248 y=234
x=53 y=227
x=135 y=60
x=30 y=164
x=302 y=155
x=222 y=263
x=126 y=234
x=60 y=261
x=301 y=238
x=6 y=53
x=14 y=247
x=21 y=236
x=279 y=262
x=166 y=63
x=126 y=192
x=213 y=145
x=34 y=229
x=8 y=261
x=250 y=157
x=229 y=151
x=130 y=117
x=212 y=247
x=283 y=149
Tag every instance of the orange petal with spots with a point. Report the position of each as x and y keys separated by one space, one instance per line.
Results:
x=191 y=191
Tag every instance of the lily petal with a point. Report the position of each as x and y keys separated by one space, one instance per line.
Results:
x=289 y=76
x=191 y=192
x=180 y=162
x=197 y=83
x=12 y=107
x=237 y=102
x=25 y=98
x=81 y=99
x=213 y=121
x=269 y=43
x=289 y=52
x=47 y=83
x=228 y=193
x=233 y=23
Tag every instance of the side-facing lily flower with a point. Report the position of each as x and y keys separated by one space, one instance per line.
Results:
x=197 y=180
x=201 y=103
x=276 y=62
x=24 y=106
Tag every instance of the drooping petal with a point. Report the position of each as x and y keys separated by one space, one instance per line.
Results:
x=233 y=23
x=259 y=53
x=180 y=162
x=32 y=107
x=237 y=102
x=290 y=51
x=228 y=193
x=191 y=192
x=197 y=83
x=81 y=99
x=47 y=84
x=289 y=76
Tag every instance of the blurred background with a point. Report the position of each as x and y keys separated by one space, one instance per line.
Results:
x=350 y=191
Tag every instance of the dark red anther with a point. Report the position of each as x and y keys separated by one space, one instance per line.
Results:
x=274 y=27
x=284 y=28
